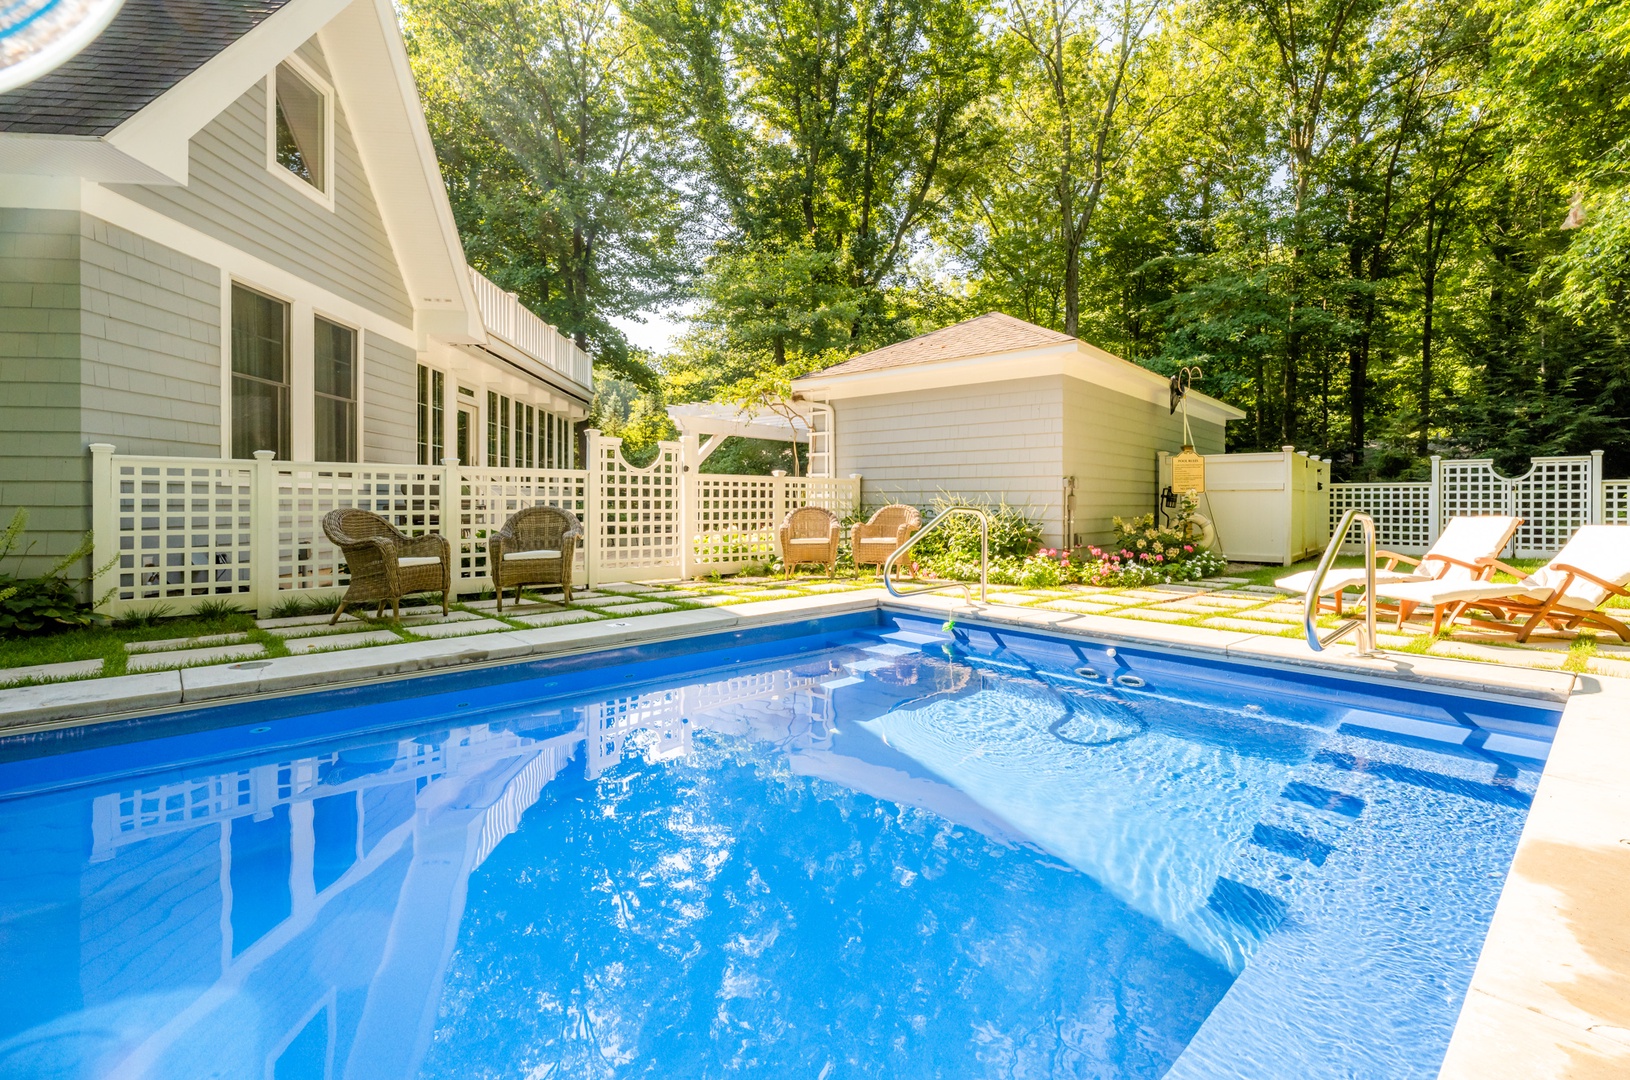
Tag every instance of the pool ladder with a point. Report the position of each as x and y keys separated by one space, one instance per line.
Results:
x=1310 y=603
x=984 y=555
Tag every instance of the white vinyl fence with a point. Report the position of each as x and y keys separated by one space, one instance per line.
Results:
x=182 y=531
x=1554 y=498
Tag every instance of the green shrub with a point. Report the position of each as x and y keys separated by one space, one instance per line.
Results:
x=1013 y=534
x=49 y=602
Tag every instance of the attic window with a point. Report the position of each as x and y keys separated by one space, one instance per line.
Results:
x=300 y=128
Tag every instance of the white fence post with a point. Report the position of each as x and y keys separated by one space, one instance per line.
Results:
x=593 y=515
x=263 y=524
x=451 y=519
x=104 y=517
x=1435 y=502
x=690 y=492
x=1596 y=501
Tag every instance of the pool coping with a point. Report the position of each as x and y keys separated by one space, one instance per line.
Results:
x=1550 y=996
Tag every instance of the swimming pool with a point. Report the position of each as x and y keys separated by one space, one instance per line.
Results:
x=861 y=846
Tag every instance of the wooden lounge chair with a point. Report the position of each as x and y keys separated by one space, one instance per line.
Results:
x=1564 y=594
x=536 y=546
x=386 y=564
x=1459 y=554
x=809 y=535
x=873 y=541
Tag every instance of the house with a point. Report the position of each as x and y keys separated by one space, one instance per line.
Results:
x=996 y=409
x=223 y=230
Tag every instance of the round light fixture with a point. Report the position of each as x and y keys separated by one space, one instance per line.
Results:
x=37 y=36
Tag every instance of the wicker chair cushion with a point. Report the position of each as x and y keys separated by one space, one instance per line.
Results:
x=419 y=560
x=521 y=556
x=810 y=541
x=889 y=540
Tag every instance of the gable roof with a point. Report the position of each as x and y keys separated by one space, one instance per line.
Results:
x=985 y=335
x=150 y=46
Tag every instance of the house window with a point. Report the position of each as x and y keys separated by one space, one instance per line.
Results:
x=528 y=439
x=334 y=364
x=431 y=416
x=492 y=428
x=503 y=431
x=300 y=128
x=546 y=441
x=260 y=374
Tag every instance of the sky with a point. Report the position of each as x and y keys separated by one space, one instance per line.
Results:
x=657 y=333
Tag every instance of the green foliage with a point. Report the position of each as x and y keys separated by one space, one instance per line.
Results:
x=48 y=602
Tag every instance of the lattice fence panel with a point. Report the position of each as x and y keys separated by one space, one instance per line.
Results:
x=408 y=496
x=1402 y=512
x=1553 y=500
x=842 y=497
x=184 y=531
x=1616 y=502
x=635 y=529
x=734 y=521
x=487 y=497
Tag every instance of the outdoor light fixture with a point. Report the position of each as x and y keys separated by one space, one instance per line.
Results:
x=37 y=36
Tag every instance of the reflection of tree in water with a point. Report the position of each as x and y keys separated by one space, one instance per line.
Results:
x=722 y=915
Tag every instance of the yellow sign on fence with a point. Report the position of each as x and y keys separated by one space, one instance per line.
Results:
x=1188 y=472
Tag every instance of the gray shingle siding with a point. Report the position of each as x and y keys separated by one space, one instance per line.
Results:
x=232 y=196
x=42 y=464
x=390 y=396
x=151 y=328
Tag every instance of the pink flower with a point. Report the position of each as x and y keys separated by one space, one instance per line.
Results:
x=1160 y=558
x=1189 y=548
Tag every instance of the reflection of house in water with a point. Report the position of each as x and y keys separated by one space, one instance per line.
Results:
x=295 y=918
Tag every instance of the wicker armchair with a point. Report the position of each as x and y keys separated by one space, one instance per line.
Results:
x=809 y=535
x=872 y=542
x=536 y=546
x=385 y=564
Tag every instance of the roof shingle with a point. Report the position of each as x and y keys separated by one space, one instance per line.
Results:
x=986 y=335
x=148 y=47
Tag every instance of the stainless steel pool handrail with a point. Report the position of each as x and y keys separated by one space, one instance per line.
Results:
x=984 y=555
x=1310 y=602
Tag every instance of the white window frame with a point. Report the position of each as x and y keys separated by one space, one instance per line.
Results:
x=305 y=308
x=325 y=197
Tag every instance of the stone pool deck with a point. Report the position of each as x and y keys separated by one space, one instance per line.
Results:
x=1551 y=992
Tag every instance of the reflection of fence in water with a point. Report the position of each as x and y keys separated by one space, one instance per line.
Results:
x=126 y=817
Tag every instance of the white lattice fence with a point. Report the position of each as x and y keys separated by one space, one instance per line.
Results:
x=1616 y=502
x=635 y=512
x=182 y=530
x=733 y=522
x=487 y=497
x=1553 y=498
x=410 y=497
x=1402 y=512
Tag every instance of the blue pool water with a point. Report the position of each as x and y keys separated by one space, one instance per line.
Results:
x=856 y=848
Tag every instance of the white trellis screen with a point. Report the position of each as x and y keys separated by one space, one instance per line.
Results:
x=179 y=532
x=1554 y=498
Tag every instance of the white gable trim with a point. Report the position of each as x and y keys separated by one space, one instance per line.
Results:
x=1076 y=359
x=159 y=134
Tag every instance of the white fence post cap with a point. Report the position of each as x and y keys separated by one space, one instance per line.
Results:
x=265 y=455
x=101 y=448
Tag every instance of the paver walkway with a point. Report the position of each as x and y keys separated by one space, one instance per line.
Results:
x=1224 y=603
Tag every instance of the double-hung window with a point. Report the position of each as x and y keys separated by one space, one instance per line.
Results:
x=260 y=374
x=335 y=381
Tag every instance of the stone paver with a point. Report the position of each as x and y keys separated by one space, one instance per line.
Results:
x=623 y=587
x=436 y=617
x=175 y=657
x=636 y=609
x=1144 y=595
x=529 y=606
x=1215 y=600
x=183 y=643
x=458 y=629
x=339 y=641
x=556 y=618
x=677 y=594
x=68 y=669
x=1154 y=614
x=344 y=626
x=717 y=601
x=599 y=600
x=303 y=620
x=1467 y=650
x=1605 y=665
x=1082 y=606
x=831 y=586
x=1249 y=626
x=1612 y=648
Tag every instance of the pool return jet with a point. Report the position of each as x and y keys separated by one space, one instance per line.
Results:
x=1310 y=602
